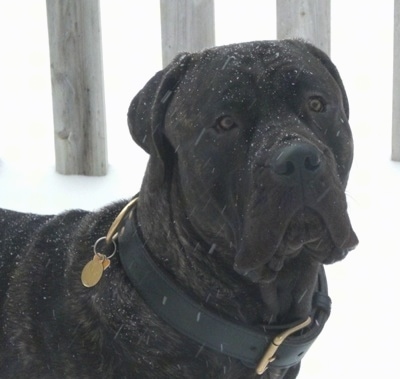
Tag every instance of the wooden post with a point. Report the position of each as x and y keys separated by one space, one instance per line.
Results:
x=77 y=86
x=396 y=84
x=186 y=25
x=306 y=19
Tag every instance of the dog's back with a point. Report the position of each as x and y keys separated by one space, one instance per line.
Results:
x=17 y=231
x=32 y=266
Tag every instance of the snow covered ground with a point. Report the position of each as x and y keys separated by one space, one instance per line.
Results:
x=358 y=339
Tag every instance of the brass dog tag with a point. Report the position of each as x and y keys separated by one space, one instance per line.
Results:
x=93 y=270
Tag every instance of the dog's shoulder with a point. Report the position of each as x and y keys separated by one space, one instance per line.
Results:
x=40 y=256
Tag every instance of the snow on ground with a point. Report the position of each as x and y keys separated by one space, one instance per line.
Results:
x=358 y=338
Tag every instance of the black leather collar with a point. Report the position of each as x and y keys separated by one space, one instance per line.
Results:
x=175 y=307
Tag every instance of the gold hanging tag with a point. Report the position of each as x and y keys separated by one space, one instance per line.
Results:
x=93 y=270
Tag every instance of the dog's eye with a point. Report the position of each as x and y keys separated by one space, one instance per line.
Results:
x=226 y=123
x=316 y=104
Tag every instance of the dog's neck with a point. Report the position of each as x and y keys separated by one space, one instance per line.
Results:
x=209 y=277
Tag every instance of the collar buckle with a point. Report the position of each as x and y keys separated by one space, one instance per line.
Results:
x=270 y=354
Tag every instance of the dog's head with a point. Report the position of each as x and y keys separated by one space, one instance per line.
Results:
x=256 y=137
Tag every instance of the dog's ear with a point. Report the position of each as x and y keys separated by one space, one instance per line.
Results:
x=326 y=61
x=147 y=111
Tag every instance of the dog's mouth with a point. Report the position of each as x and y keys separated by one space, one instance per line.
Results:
x=306 y=232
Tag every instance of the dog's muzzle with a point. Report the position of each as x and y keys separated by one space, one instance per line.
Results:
x=296 y=203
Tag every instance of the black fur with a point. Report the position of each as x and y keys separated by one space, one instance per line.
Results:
x=242 y=231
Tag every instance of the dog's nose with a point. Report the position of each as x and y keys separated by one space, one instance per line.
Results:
x=297 y=161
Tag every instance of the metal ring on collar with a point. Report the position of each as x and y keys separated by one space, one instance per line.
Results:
x=105 y=239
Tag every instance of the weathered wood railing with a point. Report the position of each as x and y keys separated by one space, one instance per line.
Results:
x=307 y=19
x=77 y=86
x=186 y=25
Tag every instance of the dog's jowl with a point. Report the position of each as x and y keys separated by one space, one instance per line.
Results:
x=215 y=270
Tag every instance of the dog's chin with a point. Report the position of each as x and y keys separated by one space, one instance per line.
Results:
x=306 y=235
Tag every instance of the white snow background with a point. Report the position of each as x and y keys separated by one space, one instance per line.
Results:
x=361 y=337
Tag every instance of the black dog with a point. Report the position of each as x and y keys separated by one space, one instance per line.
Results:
x=241 y=204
